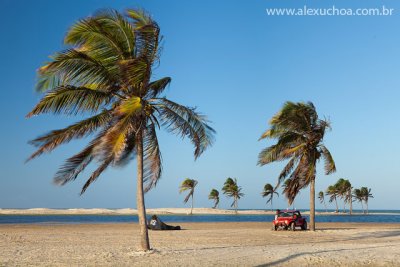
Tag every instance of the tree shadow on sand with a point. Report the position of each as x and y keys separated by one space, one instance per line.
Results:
x=291 y=257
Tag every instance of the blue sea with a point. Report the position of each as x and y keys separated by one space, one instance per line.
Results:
x=374 y=216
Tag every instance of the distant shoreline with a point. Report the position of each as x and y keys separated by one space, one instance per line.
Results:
x=163 y=211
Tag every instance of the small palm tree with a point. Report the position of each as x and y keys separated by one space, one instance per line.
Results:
x=321 y=198
x=366 y=194
x=231 y=189
x=188 y=184
x=359 y=197
x=214 y=195
x=269 y=190
x=106 y=73
x=333 y=193
x=300 y=135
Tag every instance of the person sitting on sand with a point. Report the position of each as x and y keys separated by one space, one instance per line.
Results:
x=156 y=224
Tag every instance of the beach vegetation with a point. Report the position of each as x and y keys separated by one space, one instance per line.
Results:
x=269 y=191
x=214 y=195
x=188 y=185
x=105 y=74
x=299 y=133
x=231 y=189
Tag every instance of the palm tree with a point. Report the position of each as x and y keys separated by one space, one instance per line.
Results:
x=344 y=190
x=231 y=189
x=333 y=193
x=321 y=198
x=188 y=184
x=300 y=140
x=269 y=190
x=106 y=73
x=359 y=197
x=366 y=193
x=214 y=195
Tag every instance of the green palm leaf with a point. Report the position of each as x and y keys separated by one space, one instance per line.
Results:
x=71 y=100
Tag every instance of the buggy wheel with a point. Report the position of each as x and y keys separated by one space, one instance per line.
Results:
x=275 y=227
x=304 y=226
x=292 y=226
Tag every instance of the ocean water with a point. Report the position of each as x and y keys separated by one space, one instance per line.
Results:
x=375 y=216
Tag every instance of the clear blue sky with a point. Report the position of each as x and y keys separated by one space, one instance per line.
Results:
x=238 y=66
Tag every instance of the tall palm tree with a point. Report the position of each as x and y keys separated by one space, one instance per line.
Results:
x=321 y=198
x=359 y=197
x=214 y=195
x=231 y=189
x=332 y=191
x=106 y=73
x=188 y=184
x=269 y=190
x=366 y=194
x=300 y=140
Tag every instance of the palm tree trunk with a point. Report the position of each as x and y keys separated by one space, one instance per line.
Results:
x=191 y=210
x=326 y=209
x=362 y=206
x=337 y=207
x=272 y=208
x=366 y=203
x=312 y=204
x=236 y=204
x=144 y=236
x=351 y=203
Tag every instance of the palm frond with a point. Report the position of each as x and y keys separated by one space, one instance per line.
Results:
x=71 y=100
x=76 y=68
x=152 y=158
x=186 y=121
x=91 y=33
x=74 y=165
x=157 y=87
x=96 y=174
x=50 y=141
x=328 y=160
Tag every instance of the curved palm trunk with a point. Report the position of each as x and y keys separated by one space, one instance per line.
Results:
x=326 y=209
x=366 y=203
x=312 y=205
x=144 y=236
x=362 y=206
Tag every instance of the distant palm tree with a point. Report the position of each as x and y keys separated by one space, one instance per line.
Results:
x=188 y=184
x=300 y=140
x=106 y=72
x=214 y=195
x=359 y=197
x=332 y=191
x=231 y=189
x=321 y=198
x=269 y=190
x=344 y=190
x=366 y=194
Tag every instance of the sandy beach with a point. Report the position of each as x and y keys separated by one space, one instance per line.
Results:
x=200 y=244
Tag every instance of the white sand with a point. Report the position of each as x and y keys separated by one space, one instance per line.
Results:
x=200 y=244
